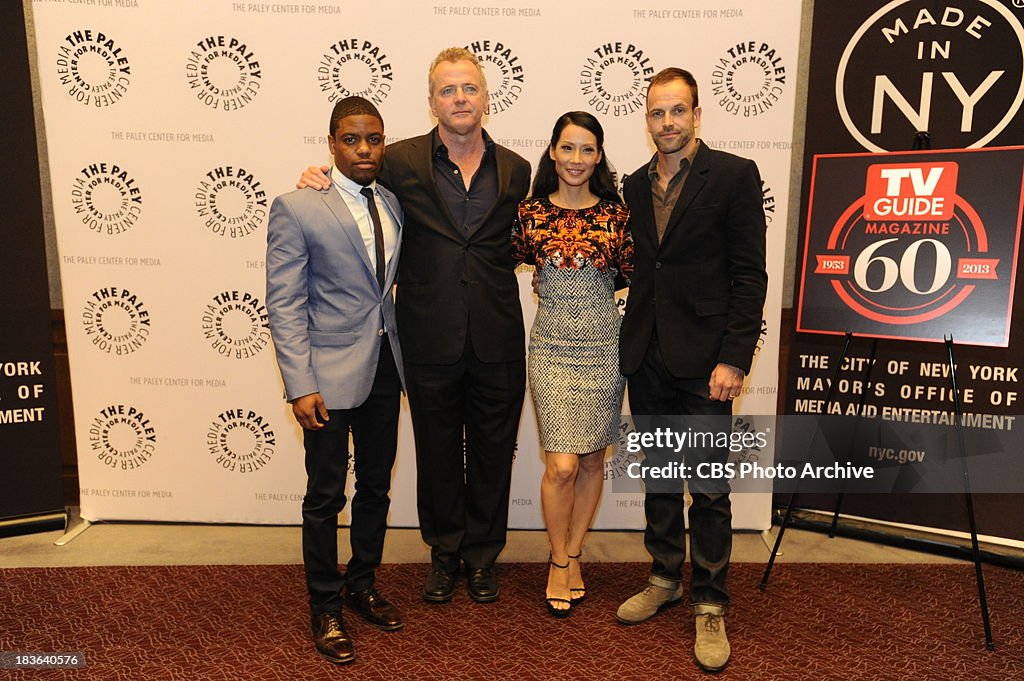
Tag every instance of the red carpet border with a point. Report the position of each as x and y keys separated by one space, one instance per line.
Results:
x=816 y=621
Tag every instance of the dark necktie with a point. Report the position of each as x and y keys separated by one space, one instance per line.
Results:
x=378 y=234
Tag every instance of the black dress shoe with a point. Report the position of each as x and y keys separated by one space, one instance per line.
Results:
x=330 y=638
x=483 y=585
x=374 y=608
x=439 y=587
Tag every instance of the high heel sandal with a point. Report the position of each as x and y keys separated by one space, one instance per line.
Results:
x=550 y=602
x=574 y=599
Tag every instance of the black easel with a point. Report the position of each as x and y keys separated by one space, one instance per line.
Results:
x=975 y=551
x=810 y=448
x=865 y=386
x=922 y=140
x=958 y=410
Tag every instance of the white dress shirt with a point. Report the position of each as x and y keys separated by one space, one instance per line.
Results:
x=357 y=205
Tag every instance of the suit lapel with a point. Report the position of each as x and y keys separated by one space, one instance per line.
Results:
x=395 y=211
x=332 y=199
x=644 y=209
x=423 y=165
x=695 y=182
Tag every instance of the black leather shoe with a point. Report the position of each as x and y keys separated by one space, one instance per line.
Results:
x=374 y=608
x=330 y=638
x=483 y=585
x=439 y=587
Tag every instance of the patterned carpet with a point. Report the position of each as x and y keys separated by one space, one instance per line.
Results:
x=817 y=621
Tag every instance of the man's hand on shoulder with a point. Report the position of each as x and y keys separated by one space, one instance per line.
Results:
x=306 y=409
x=314 y=177
x=726 y=382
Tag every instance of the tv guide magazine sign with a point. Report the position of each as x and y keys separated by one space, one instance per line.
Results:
x=916 y=246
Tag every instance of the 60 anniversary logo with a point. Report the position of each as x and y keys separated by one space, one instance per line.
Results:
x=926 y=248
x=917 y=200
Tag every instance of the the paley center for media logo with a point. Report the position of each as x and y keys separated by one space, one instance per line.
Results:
x=235 y=324
x=122 y=437
x=223 y=72
x=355 y=67
x=93 y=68
x=749 y=79
x=116 y=320
x=613 y=78
x=230 y=201
x=106 y=198
x=240 y=441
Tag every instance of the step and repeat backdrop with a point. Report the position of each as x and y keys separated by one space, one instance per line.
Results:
x=171 y=126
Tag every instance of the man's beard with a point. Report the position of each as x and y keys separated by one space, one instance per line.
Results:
x=672 y=146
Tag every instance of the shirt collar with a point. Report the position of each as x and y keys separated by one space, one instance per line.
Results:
x=440 y=149
x=346 y=184
x=652 y=167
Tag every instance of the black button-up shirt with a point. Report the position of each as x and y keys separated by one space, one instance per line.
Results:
x=467 y=207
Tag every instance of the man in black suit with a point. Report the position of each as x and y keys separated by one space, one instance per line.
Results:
x=692 y=322
x=460 y=322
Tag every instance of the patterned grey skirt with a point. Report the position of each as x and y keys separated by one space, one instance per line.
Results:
x=574 y=359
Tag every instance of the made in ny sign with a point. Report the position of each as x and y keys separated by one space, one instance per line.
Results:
x=914 y=245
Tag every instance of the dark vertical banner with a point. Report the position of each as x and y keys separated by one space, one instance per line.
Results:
x=30 y=466
x=879 y=73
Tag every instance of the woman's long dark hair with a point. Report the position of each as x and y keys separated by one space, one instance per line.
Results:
x=601 y=183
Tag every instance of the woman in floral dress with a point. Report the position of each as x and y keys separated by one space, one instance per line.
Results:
x=574 y=230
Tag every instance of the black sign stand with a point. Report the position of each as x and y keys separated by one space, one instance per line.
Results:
x=848 y=338
x=866 y=383
x=975 y=552
x=958 y=410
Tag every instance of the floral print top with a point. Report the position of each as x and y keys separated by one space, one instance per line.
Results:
x=573 y=238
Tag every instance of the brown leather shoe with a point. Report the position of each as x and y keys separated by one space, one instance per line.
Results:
x=374 y=608
x=330 y=638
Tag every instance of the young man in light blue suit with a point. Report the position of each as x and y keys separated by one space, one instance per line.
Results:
x=331 y=262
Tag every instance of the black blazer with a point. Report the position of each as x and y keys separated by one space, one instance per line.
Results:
x=703 y=287
x=449 y=285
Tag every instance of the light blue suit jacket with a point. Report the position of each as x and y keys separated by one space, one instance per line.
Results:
x=325 y=305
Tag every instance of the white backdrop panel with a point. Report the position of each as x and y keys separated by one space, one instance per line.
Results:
x=172 y=125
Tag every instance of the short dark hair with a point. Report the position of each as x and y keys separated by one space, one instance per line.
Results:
x=601 y=184
x=675 y=73
x=353 y=106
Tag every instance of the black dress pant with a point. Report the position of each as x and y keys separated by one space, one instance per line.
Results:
x=654 y=391
x=374 y=428
x=465 y=419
